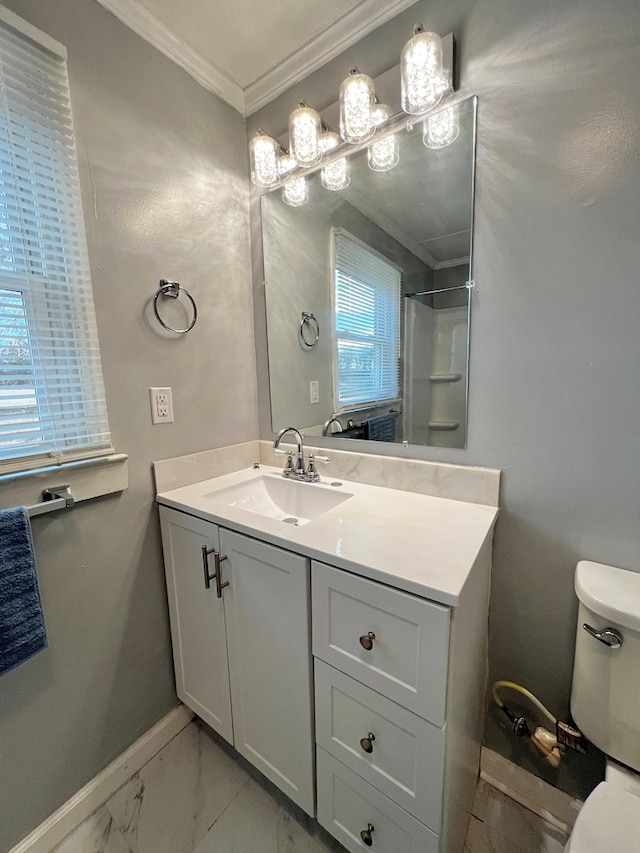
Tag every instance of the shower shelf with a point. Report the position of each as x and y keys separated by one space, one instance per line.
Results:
x=444 y=426
x=445 y=377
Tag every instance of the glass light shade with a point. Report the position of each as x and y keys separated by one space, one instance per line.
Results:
x=383 y=154
x=304 y=136
x=441 y=129
x=423 y=77
x=263 y=157
x=335 y=176
x=286 y=164
x=328 y=141
x=357 y=100
x=295 y=192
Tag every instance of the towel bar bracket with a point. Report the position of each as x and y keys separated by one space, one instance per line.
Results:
x=56 y=492
x=57 y=497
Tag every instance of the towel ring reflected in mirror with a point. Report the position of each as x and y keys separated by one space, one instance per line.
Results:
x=173 y=290
x=309 y=329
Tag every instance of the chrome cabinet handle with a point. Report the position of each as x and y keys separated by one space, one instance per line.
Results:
x=609 y=636
x=217 y=575
x=218 y=558
x=366 y=640
x=367 y=742
x=205 y=564
x=365 y=835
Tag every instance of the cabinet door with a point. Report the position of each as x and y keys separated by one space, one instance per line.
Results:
x=198 y=630
x=267 y=610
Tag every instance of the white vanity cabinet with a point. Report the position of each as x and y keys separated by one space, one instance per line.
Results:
x=379 y=733
x=243 y=660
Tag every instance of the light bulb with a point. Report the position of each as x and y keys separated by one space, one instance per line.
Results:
x=286 y=164
x=423 y=77
x=383 y=155
x=357 y=99
x=440 y=129
x=263 y=156
x=295 y=192
x=304 y=135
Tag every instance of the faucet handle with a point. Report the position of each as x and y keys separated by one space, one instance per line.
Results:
x=288 y=470
x=311 y=474
x=323 y=459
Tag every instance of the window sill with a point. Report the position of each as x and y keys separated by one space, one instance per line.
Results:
x=87 y=478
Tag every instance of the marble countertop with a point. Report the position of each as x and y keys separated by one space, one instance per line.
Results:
x=421 y=544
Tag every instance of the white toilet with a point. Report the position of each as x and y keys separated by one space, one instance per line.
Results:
x=605 y=703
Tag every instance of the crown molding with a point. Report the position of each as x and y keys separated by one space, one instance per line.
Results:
x=331 y=42
x=452 y=262
x=141 y=21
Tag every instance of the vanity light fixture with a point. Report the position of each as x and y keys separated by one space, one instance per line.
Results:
x=263 y=156
x=422 y=73
x=334 y=176
x=304 y=136
x=441 y=129
x=357 y=101
x=383 y=154
x=295 y=192
x=424 y=82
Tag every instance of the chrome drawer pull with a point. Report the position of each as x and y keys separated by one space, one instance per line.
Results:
x=365 y=835
x=366 y=640
x=609 y=636
x=367 y=742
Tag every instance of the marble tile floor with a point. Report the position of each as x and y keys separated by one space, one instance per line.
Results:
x=192 y=797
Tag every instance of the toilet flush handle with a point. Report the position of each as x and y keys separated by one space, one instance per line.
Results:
x=609 y=636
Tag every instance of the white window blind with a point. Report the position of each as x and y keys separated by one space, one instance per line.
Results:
x=52 y=401
x=366 y=302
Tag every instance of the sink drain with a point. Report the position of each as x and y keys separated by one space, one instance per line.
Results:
x=290 y=520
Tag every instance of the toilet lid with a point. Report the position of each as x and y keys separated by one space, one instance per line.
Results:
x=609 y=820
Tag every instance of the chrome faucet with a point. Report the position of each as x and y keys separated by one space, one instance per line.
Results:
x=334 y=419
x=290 y=470
x=299 y=471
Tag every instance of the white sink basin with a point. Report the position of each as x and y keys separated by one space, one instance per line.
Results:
x=276 y=497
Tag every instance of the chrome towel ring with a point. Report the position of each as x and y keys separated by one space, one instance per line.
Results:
x=309 y=329
x=172 y=290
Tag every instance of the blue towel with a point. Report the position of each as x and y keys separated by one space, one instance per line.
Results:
x=22 y=631
x=380 y=428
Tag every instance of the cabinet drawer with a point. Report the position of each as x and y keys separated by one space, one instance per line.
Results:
x=406 y=761
x=347 y=806
x=409 y=651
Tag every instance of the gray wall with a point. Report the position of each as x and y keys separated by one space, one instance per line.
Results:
x=555 y=398
x=163 y=171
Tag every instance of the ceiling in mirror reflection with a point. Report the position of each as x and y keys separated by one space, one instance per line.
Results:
x=420 y=216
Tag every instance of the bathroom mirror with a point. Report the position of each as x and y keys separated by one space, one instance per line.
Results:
x=383 y=269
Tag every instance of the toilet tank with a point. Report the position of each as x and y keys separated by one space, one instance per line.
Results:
x=605 y=694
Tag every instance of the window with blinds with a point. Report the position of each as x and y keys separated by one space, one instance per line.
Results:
x=52 y=401
x=366 y=309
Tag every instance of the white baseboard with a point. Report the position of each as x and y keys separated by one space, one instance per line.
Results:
x=535 y=794
x=96 y=792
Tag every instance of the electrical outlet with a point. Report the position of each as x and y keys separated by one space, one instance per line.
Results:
x=314 y=391
x=161 y=405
